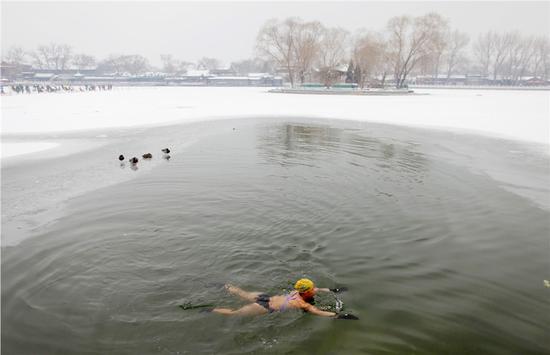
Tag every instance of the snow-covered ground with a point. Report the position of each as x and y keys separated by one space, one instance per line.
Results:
x=520 y=115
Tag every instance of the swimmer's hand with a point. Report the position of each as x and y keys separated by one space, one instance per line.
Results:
x=338 y=289
x=346 y=316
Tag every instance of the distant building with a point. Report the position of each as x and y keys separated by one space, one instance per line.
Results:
x=535 y=81
x=11 y=72
x=207 y=78
x=8 y=71
x=254 y=80
x=44 y=76
x=476 y=79
x=441 y=79
x=229 y=71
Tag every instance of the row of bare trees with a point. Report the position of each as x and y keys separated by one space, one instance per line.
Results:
x=58 y=57
x=306 y=48
x=132 y=64
x=309 y=51
x=425 y=45
x=51 y=56
x=298 y=46
x=510 y=55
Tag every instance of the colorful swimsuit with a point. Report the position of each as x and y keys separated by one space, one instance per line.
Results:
x=290 y=297
x=263 y=300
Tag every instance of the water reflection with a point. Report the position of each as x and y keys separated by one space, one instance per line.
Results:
x=311 y=145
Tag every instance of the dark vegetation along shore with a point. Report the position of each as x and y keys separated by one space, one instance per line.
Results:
x=329 y=91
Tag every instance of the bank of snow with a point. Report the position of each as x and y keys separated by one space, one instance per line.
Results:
x=520 y=115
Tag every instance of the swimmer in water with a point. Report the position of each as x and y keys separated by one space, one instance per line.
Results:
x=300 y=298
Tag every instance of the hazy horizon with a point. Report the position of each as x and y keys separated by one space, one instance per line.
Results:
x=227 y=30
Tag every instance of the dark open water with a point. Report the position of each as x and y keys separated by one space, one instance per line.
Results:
x=442 y=239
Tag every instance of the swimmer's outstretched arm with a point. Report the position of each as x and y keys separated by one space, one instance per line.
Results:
x=314 y=310
x=335 y=290
x=319 y=289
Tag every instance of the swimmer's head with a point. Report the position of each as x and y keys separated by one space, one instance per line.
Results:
x=304 y=286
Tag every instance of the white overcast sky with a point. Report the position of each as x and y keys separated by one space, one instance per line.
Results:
x=227 y=30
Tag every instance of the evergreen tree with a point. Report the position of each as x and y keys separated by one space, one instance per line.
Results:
x=349 y=73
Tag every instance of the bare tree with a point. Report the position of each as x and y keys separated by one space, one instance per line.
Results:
x=425 y=65
x=52 y=56
x=255 y=65
x=209 y=63
x=455 y=53
x=526 y=55
x=169 y=64
x=16 y=55
x=439 y=44
x=137 y=64
x=63 y=57
x=541 y=57
x=484 y=49
x=275 y=42
x=518 y=58
x=306 y=47
x=502 y=43
x=369 y=53
x=183 y=66
x=132 y=64
x=84 y=61
x=41 y=58
x=109 y=65
x=410 y=40
x=398 y=28
x=333 y=51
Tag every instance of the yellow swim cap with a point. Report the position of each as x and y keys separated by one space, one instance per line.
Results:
x=304 y=285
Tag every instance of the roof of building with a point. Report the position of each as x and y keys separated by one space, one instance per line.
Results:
x=44 y=75
x=193 y=72
x=259 y=75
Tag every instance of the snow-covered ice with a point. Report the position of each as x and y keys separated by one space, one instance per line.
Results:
x=20 y=148
x=520 y=115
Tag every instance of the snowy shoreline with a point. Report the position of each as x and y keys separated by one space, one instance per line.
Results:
x=516 y=115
